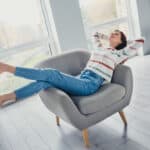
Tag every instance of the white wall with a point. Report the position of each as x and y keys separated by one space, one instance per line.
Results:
x=144 y=15
x=68 y=22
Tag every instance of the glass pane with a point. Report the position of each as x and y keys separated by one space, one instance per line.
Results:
x=21 y=21
x=25 y=59
x=99 y=11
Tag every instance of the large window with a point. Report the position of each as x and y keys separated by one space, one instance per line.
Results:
x=21 y=22
x=104 y=16
x=24 y=38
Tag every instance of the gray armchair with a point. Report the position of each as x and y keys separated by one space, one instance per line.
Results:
x=85 y=111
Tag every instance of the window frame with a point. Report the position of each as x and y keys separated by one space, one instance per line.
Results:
x=131 y=19
x=49 y=40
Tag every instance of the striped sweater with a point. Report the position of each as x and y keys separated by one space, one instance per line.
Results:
x=104 y=61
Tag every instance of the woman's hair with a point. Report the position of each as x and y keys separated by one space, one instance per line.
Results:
x=123 y=41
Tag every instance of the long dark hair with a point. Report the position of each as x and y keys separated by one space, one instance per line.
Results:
x=123 y=40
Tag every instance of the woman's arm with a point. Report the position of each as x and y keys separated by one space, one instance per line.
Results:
x=131 y=50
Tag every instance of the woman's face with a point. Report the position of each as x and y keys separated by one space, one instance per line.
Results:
x=115 y=39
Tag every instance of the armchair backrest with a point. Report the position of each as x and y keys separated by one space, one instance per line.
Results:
x=123 y=75
x=71 y=62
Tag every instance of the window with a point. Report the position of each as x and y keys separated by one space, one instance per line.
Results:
x=104 y=16
x=24 y=38
x=21 y=22
x=27 y=58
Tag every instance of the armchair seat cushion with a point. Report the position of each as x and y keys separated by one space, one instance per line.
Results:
x=104 y=97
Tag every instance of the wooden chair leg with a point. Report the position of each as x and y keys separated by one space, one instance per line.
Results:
x=85 y=137
x=57 y=121
x=122 y=115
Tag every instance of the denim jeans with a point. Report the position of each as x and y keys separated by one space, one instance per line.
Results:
x=86 y=83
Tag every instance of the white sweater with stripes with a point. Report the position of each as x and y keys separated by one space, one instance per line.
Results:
x=104 y=61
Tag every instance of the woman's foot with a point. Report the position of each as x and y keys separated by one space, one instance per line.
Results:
x=1 y=100
x=2 y=67
x=10 y=97
x=7 y=68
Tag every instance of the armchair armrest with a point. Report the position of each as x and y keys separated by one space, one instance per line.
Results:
x=122 y=75
x=71 y=62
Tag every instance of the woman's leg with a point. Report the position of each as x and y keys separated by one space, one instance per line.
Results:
x=68 y=83
x=7 y=97
x=7 y=68
x=39 y=74
x=59 y=79
x=25 y=91
x=71 y=84
x=51 y=75
x=31 y=88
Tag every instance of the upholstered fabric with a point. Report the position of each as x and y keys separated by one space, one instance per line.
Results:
x=66 y=107
x=106 y=96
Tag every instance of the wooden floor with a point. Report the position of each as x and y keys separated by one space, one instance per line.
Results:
x=28 y=125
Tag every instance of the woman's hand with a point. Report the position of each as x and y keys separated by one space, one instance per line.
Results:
x=98 y=37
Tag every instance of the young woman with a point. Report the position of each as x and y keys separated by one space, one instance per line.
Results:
x=99 y=68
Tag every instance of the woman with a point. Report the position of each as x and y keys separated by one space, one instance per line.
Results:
x=99 y=68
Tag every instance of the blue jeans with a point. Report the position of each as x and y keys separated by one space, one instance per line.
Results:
x=85 y=83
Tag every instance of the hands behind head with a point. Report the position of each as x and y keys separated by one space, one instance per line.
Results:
x=98 y=35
